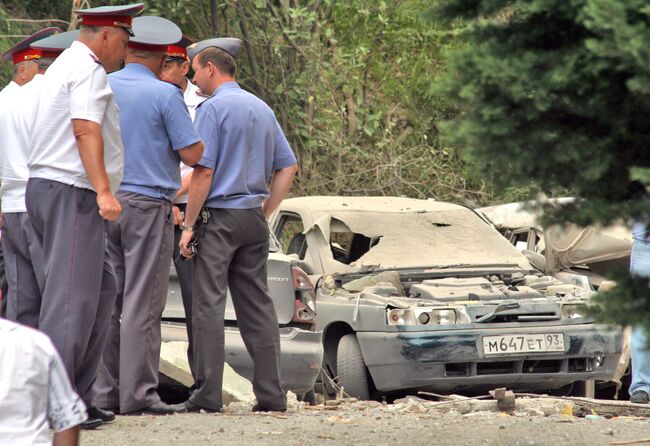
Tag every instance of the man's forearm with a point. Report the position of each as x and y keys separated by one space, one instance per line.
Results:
x=91 y=151
x=199 y=189
x=185 y=185
x=280 y=185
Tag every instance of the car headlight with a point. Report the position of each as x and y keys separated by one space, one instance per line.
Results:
x=401 y=317
x=444 y=317
x=422 y=316
x=573 y=311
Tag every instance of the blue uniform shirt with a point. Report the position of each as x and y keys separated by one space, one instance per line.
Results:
x=640 y=231
x=155 y=123
x=244 y=144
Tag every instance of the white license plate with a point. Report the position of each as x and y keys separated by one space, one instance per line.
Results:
x=527 y=343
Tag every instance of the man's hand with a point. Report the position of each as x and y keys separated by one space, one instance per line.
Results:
x=109 y=207
x=186 y=236
x=177 y=216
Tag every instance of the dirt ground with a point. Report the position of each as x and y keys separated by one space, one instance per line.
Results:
x=411 y=421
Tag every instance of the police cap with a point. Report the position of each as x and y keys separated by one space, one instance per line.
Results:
x=179 y=49
x=231 y=45
x=55 y=44
x=22 y=50
x=118 y=16
x=154 y=34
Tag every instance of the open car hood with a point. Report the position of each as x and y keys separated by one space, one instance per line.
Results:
x=599 y=248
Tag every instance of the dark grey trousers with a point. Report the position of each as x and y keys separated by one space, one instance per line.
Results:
x=233 y=249
x=79 y=283
x=23 y=255
x=184 y=272
x=140 y=248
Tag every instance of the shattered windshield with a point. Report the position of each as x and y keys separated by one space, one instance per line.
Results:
x=415 y=239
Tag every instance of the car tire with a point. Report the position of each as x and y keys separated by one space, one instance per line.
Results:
x=352 y=371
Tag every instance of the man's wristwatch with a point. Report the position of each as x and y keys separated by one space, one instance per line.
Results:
x=185 y=227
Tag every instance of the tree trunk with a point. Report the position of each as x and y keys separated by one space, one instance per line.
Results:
x=214 y=17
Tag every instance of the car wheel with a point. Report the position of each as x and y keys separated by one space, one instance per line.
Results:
x=352 y=371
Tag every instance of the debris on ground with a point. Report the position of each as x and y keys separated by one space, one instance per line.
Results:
x=500 y=401
x=174 y=365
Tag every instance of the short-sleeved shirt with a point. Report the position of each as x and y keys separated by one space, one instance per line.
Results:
x=244 y=144
x=641 y=231
x=11 y=86
x=193 y=98
x=16 y=116
x=155 y=124
x=35 y=392
x=75 y=86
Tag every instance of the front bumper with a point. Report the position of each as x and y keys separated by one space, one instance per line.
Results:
x=300 y=359
x=447 y=360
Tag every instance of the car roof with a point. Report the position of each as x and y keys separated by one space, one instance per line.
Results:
x=310 y=204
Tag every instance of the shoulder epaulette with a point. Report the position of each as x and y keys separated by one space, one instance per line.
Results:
x=94 y=58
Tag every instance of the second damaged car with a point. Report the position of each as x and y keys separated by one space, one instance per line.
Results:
x=425 y=295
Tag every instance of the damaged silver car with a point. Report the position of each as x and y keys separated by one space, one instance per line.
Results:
x=425 y=295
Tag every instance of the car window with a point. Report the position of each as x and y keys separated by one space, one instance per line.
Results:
x=349 y=246
x=290 y=234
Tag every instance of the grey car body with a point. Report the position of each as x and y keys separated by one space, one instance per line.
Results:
x=419 y=294
x=300 y=344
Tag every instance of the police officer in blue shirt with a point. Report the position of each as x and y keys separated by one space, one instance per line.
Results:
x=157 y=133
x=245 y=148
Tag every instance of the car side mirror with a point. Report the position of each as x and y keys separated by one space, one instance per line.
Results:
x=536 y=259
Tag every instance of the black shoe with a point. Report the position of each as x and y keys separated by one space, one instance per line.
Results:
x=259 y=408
x=91 y=423
x=103 y=414
x=639 y=397
x=158 y=408
x=189 y=406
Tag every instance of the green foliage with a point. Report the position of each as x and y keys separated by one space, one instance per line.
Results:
x=349 y=82
x=626 y=304
x=557 y=92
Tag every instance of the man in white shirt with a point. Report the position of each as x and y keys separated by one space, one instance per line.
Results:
x=175 y=72
x=22 y=250
x=25 y=59
x=75 y=167
x=25 y=67
x=35 y=392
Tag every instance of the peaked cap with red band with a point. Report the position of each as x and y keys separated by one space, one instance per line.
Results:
x=179 y=49
x=55 y=44
x=154 y=33
x=118 y=16
x=22 y=50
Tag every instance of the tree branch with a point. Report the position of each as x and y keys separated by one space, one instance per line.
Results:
x=214 y=16
x=249 y=48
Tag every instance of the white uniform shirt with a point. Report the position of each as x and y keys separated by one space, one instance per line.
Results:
x=16 y=118
x=192 y=100
x=35 y=392
x=11 y=86
x=74 y=87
